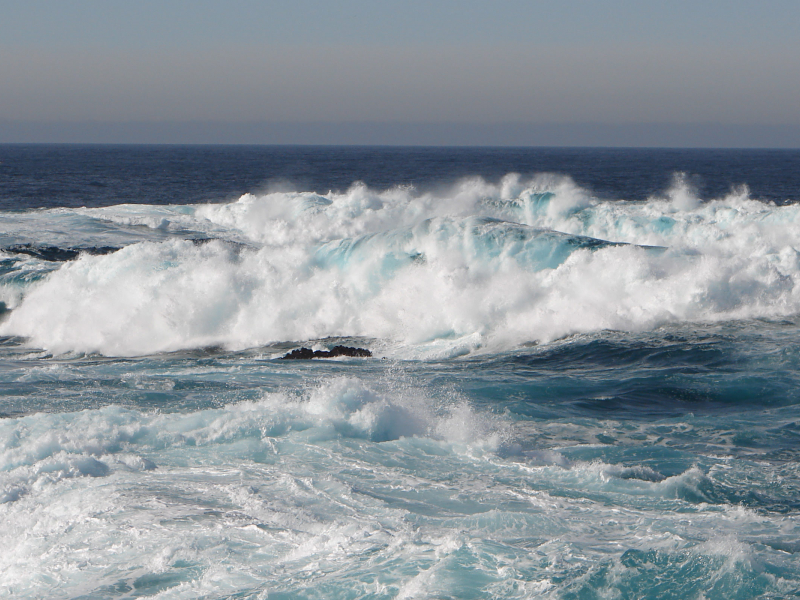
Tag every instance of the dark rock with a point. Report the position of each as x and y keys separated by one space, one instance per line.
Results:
x=300 y=354
x=349 y=351
x=307 y=354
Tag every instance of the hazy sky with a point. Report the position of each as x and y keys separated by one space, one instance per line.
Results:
x=188 y=67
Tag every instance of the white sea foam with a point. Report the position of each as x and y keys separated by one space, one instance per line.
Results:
x=481 y=266
x=42 y=448
x=348 y=483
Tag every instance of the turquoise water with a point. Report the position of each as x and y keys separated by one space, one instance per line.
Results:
x=569 y=396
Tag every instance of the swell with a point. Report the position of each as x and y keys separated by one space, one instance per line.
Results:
x=478 y=267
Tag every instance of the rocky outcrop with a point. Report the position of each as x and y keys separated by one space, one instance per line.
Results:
x=308 y=354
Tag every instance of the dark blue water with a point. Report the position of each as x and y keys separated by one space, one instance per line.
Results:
x=583 y=383
x=33 y=176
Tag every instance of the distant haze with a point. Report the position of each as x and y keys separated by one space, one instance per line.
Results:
x=521 y=73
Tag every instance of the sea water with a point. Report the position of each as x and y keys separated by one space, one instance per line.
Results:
x=584 y=381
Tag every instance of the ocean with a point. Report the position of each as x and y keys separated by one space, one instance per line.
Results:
x=583 y=382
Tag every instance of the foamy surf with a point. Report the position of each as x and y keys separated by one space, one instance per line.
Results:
x=381 y=484
x=500 y=265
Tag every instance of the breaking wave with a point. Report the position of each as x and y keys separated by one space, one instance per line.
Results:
x=480 y=267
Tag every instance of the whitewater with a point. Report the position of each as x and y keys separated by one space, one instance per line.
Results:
x=569 y=395
x=483 y=267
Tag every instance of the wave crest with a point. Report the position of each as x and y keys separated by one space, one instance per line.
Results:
x=480 y=266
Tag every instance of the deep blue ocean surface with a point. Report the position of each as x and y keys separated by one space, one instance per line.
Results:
x=584 y=381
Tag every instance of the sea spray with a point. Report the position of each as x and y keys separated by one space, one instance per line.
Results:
x=500 y=265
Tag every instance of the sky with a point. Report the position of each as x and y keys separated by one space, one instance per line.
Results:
x=535 y=72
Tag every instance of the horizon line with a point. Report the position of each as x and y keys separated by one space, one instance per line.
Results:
x=387 y=146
